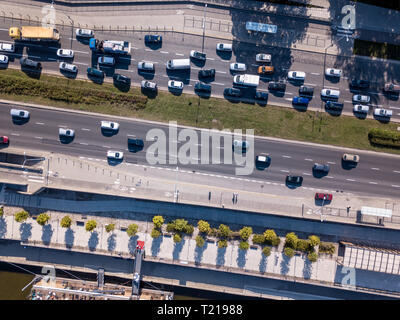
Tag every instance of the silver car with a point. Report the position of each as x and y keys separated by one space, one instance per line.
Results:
x=145 y=66
x=237 y=66
x=331 y=72
x=106 y=60
x=109 y=125
x=380 y=112
x=115 y=155
x=65 y=53
x=361 y=108
x=8 y=47
x=68 y=133
x=175 y=85
x=148 y=85
x=68 y=67
x=330 y=93
x=84 y=33
x=361 y=98
x=263 y=57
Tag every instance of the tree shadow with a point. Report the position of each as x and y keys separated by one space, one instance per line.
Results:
x=263 y=263
x=3 y=227
x=177 y=249
x=285 y=264
x=198 y=253
x=220 y=257
x=132 y=244
x=241 y=258
x=307 y=268
x=111 y=242
x=93 y=241
x=155 y=246
x=25 y=230
x=47 y=233
x=69 y=238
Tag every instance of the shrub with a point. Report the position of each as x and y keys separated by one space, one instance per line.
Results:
x=326 y=247
x=291 y=240
x=158 y=221
x=180 y=225
x=91 y=225
x=386 y=138
x=21 y=216
x=275 y=242
x=189 y=229
x=200 y=241
x=271 y=238
x=213 y=232
x=155 y=233
x=244 y=245
x=204 y=226
x=266 y=251
x=245 y=233
x=289 y=252
x=258 y=238
x=224 y=231
x=132 y=229
x=42 y=219
x=1 y=211
x=222 y=244
x=304 y=245
x=177 y=238
x=312 y=256
x=314 y=240
x=66 y=222
x=170 y=227
x=110 y=227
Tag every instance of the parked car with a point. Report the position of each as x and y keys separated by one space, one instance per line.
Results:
x=68 y=67
x=323 y=196
x=323 y=168
x=359 y=83
x=361 y=108
x=4 y=140
x=263 y=57
x=175 y=85
x=148 y=85
x=351 y=158
x=145 y=66
x=152 y=38
x=240 y=145
x=391 y=88
x=65 y=53
x=115 y=155
x=198 y=55
x=106 y=60
x=237 y=66
x=30 y=64
x=261 y=95
x=224 y=47
x=85 y=33
x=332 y=72
x=207 y=73
x=265 y=70
x=67 y=133
x=306 y=91
x=121 y=79
x=7 y=47
x=233 y=92
x=109 y=125
x=361 y=98
x=201 y=86
x=380 y=112
x=330 y=93
x=300 y=101
x=3 y=59
x=277 y=86
x=294 y=180
x=95 y=72
x=334 y=105
x=19 y=114
x=296 y=75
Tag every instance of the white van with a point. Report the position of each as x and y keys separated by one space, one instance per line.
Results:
x=178 y=64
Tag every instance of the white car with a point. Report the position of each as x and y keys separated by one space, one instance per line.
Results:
x=175 y=85
x=148 y=85
x=115 y=155
x=3 y=59
x=263 y=57
x=237 y=66
x=383 y=112
x=8 y=47
x=239 y=145
x=361 y=108
x=331 y=72
x=65 y=53
x=109 y=125
x=84 y=33
x=106 y=60
x=361 y=98
x=297 y=75
x=330 y=93
x=224 y=46
x=18 y=113
x=69 y=133
x=68 y=67
x=145 y=66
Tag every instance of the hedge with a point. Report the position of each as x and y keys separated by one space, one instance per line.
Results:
x=385 y=138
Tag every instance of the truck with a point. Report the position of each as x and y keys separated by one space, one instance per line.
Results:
x=110 y=46
x=250 y=80
x=32 y=33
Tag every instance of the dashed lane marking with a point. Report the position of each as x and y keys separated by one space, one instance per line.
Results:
x=15 y=134
x=395 y=186
x=38 y=137
x=372 y=182
x=165 y=52
x=40 y=123
x=375 y=169
x=179 y=54
x=286 y=156
x=224 y=72
x=352 y=180
x=85 y=129
x=309 y=159
x=330 y=162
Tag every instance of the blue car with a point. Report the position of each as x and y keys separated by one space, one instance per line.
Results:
x=300 y=101
x=152 y=38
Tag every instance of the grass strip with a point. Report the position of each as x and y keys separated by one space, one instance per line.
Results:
x=210 y=113
x=376 y=49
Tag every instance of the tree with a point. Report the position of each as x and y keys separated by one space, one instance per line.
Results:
x=326 y=247
x=110 y=227
x=304 y=245
x=222 y=244
x=276 y=242
x=189 y=229
x=224 y=231
x=314 y=240
x=21 y=216
x=204 y=226
x=271 y=238
x=132 y=229
x=266 y=251
x=42 y=219
x=155 y=233
x=245 y=233
x=289 y=252
x=66 y=222
x=244 y=245
x=1 y=211
x=200 y=241
x=91 y=225
x=177 y=238
x=312 y=256
x=158 y=221
x=170 y=227
x=180 y=225
x=291 y=240
x=258 y=238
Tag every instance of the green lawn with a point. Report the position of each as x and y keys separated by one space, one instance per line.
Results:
x=212 y=113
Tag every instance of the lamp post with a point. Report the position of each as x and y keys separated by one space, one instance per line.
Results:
x=33 y=159
x=204 y=27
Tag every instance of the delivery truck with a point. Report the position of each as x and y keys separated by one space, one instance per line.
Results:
x=250 y=80
x=110 y=46
x=32 y=33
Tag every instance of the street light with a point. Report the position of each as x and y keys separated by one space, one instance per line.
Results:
x=204 y=27
x=33 y=159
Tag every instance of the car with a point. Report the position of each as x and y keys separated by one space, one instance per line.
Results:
x=18 y=113
x=207 y=73
x=115 y=155
x=391 y=88
x=265 y=70
x=109 y=125
x=240 y=145
x=65 y=53
x=306 y=91
x=106 y=60
x=3 y=59
x=148 y=85
x=361 y=98
x=300 y=101
x=152 y=38
x=359 y=83
x=95 y=72
x=323 y=168
x=351 y=157
x=68 y=67
x=67 y=133
x=224 y=47
x=334 y=105
x=201 y=86
x=261 y=95
x=332 y=72
x=237 y=66
x=294 y=180
x=263 y=57
x=361 y=108
x=296 y=75
x=145 y=66
x=135 y=143
x=330 y=93
x=175 y=85
x=85 y=33
x=380 y=112
x=323 y=196
x=31 y=64
x=117 y=77
x=277 y=86
x=233 y=92
x=4 y=140
x=198 y=55
x=263 y=159
x=7 y=47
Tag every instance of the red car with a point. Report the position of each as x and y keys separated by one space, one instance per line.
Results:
x=4 y=140
x=323 y=196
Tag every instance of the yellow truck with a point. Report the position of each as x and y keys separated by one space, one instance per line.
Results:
x=32 y=33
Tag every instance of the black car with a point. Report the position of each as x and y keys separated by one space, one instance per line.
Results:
x=121 y=79
x=28 y=63
x=207 y=73
x=294 y=180
x=323 y=168
x=201 y=86
x=233 y=92
x=95 y=72
x=358 y=83
x=151 y=38
x=334 y=105
x=306 y=91
x=278 y=86
x=261 y=95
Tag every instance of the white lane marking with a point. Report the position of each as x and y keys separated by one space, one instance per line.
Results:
x=394 y=108
x=62 y=126
x=396 y=171
x=38 y=137
x=288 y=99
x=195 y=68
x=286 y=156
x=108 y=147
x=224 y=72
x=284 y=170
x=289 y=93
x=330 y=162
x=41 y=123
x=352 y=180
x=84 y=129
x=38 y=181
x=310 y=84
x=148 y=49
x=166 y=52
x=329 y=177
x=210 y=58
x=307 y=174
x=84 y=52
x=395 y=185
x=334 y=88
x=218 y=83
x=375 y=169
x=81 y=63
x=84 y=143
x=347 y=101
x=36 y=177
x=179 y=54
x=315 y=74
x=15 y=134
x=4 y=29
x=309 y=159
x=372 y=182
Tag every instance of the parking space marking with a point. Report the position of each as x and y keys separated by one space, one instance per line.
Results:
x=84 y=129
x=330 y=162
x=224 y=72
x=165 y=52
x=179 y=54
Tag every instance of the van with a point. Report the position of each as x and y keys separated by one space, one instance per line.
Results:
x=178 y=64
x=109 y=61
